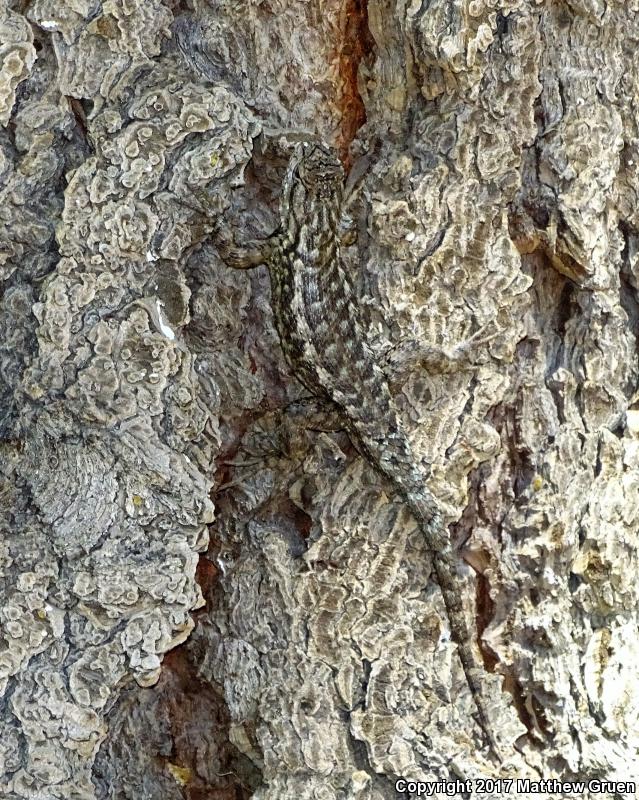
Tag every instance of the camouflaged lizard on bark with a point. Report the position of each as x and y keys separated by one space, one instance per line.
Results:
x=319 y=327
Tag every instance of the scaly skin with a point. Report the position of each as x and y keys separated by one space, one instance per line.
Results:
x=319 y=326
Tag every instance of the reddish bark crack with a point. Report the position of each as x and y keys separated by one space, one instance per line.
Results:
x=356 y=46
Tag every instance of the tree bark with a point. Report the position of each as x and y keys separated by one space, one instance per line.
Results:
x=205 y=591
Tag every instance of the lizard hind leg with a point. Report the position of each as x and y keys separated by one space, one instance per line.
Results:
x=411 y=355
x=279 y=435
x=312 y=413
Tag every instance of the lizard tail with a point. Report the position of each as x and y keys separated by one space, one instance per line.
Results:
x=424 y=507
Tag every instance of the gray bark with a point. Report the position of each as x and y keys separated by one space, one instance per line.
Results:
x=204 y=590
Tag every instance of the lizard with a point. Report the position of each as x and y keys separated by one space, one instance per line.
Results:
x=322 y=336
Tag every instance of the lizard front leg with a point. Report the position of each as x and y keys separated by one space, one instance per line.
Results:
x=248 y=255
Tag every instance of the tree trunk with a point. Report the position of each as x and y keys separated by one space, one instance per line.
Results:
x=293 y=643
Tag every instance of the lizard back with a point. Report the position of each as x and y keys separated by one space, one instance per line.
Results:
x=318 y=319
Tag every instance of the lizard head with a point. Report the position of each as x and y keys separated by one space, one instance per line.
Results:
x=314 y=175
x=320 y=170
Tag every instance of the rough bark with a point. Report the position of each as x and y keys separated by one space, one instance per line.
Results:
x=293 y=643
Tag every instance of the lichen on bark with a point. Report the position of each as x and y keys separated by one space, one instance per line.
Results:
x=293 y=643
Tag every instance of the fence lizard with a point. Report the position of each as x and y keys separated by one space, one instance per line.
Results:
x=318 y=323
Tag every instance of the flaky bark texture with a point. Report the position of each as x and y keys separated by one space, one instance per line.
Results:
x=142 y=385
